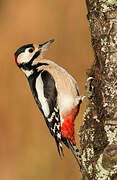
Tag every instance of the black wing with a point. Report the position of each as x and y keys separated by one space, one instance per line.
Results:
x=53 y=120
x=50 y=92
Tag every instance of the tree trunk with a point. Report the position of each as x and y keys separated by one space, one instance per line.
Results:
x=98 y=134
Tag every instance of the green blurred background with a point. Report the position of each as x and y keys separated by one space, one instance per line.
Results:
x=27 y=151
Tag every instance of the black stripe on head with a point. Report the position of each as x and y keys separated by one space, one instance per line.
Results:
x=35 y=56
x=28 y=66
x=22 y=49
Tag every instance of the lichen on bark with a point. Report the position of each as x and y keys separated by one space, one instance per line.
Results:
x=98 y=134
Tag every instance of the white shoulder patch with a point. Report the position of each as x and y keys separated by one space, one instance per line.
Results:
x=42 y=99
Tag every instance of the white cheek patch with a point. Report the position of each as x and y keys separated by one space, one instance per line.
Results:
x=42 y=99
x=24 y=57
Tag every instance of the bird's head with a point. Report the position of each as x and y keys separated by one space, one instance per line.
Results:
x=25 y=56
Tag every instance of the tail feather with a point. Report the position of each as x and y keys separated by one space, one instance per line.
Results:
x=60 y=148
x=75 y=151
x=71 y=146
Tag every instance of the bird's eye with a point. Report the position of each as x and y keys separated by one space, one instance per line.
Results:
x=31 y=50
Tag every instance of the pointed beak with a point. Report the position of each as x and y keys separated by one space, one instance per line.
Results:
x=45 y=45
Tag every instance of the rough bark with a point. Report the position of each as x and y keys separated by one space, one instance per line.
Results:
x=98 y=134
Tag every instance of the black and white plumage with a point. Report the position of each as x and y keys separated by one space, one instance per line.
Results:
x=55 y=92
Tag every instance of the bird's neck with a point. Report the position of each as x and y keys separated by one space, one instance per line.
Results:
x=29 y=70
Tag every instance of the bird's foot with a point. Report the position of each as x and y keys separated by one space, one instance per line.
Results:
x=89 y=89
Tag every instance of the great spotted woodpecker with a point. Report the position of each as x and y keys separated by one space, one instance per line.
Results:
x=55 y=92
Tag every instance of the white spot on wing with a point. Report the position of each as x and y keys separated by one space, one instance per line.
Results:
x=51 y=118
x=42 y=99
x=57 y=118
x=56 y=109
x=59 y=135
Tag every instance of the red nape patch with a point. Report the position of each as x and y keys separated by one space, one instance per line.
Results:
x=16 y=60
x=67 y=128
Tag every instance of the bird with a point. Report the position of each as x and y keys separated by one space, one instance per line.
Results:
x=55 y=91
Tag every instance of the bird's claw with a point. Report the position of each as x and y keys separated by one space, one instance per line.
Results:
x=89 y=87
